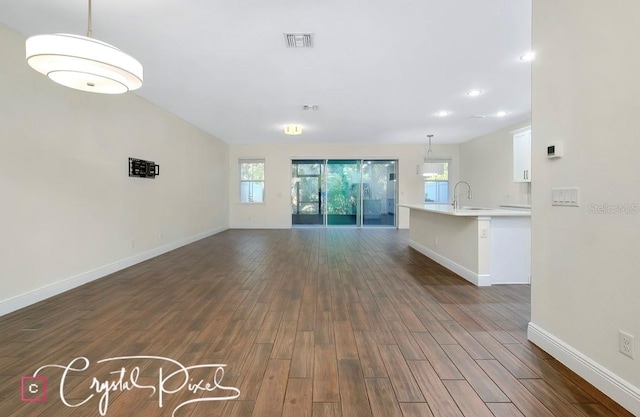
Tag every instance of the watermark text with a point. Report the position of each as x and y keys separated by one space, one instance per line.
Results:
x=127 y=377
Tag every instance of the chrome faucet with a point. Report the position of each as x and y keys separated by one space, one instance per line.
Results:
x=456 y=203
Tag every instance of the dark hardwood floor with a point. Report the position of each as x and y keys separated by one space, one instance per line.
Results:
x=309 y=322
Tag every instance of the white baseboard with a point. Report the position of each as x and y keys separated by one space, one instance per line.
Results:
x=481 y=280
x=12 y=304
x=600 y=377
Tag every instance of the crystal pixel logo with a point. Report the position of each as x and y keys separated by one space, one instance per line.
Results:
x=33 y=389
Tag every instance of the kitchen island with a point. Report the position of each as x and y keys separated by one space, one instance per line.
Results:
x=485 y=246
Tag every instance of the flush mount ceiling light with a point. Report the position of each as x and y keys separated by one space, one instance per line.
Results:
x=443 y=113
x=293 y=130
x=84 y=63
x=474 y=93
x=528 y=57
x=429 y=167
x=501 y=113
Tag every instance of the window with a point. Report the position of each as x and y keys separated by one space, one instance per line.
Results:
x=436 y=188
x=251 y=180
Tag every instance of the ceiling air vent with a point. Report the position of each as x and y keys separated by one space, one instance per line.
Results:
x=299 y=40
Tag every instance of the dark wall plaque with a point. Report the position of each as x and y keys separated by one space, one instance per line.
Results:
x=143 y=169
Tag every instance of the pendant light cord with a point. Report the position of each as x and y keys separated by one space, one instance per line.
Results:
x=89 y=25
x=429 y=151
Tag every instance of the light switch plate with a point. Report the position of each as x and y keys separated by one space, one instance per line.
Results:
x=565 y=196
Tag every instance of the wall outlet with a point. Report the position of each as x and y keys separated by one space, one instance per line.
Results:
x=626 y=344
x=160 y=235
x=435 y=241
x=132 y=244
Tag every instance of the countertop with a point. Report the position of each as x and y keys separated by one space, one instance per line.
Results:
x=518 y=206
x=468 y=211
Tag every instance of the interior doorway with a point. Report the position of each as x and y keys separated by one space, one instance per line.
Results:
x=343 y=192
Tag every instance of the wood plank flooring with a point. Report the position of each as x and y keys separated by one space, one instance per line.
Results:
x=309 y=322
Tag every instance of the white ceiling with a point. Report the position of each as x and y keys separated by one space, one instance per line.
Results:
x=379 y=70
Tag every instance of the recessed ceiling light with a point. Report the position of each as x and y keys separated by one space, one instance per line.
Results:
x=293 y=130
x=501 y=113
x=443 y=113
x=528 y=57
x=474 y=93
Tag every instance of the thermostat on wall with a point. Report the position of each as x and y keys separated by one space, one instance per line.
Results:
x=554 y=150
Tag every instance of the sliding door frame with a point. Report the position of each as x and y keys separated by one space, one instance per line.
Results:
x=374 y=198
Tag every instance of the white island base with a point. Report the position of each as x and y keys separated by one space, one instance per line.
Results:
x=486 y=247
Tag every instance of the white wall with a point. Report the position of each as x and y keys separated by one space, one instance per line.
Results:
x=486 y=163
x=585 y=264
x=69 y=211
x=454 y=238
x=276 y=210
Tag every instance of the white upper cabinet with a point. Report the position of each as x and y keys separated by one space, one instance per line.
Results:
x=522 y=155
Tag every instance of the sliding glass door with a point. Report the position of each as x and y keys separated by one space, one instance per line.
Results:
x=338 y=192
x=306 y=192
x=343 y=193
x=379 y=193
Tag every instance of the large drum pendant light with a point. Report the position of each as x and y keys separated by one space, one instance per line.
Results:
x=84 y=63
